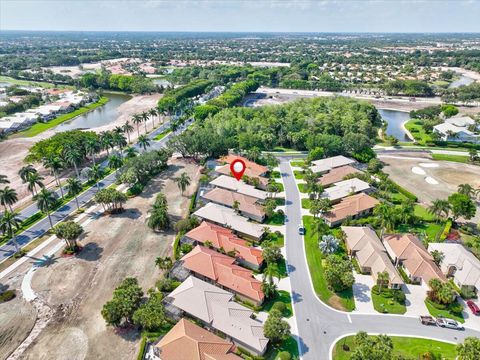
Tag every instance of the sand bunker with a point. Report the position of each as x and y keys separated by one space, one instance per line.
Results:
x=418 y=171
x=428 y=165
x=431 y=180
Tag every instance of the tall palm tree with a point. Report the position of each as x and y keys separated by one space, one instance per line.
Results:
x=382 y=279
x=54 y=164
x=74 y=186
x=8 y=197
x=72 y=156
x=137 y=120
x=46 y=200
x=115 y=162
x=386 y=215
x=466 y=189
x=34 y=180
x=164 y=263
x=106 y=141
x=183 y=182
x=439 y=208
x=120 y=141
x=118 y=130
x=9 y=224
x=144 y=141
x=153 y=112
x=128 y=128
x=4 y=179
x=92 y=147
x=25 y=171
x=144 y=116
x=96 y=173
x=131 y=152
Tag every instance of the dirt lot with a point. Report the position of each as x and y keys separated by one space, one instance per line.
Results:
x=14 y=150
x=76 y=288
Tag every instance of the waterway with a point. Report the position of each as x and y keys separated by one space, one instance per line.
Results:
x=395 y=120
x=100 y=116
x=463 y=80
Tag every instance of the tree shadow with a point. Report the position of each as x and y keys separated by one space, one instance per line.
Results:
x=90 y=252
x=129 y=333
x=130 y=213
x=44 y=261
x=301 y=344
x=296 y=297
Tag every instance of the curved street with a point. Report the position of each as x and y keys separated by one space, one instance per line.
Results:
x=318 y=324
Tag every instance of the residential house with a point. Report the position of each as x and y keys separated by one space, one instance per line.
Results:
x=353 y=207
x=364 y=245
x=215 y=308
x=407 y=251
x=188 y=341
x=323 y=166
x=458 y=129
x=459 y=263
x=345 y=188
x=223 y=238
x=337 y=174
x=230 y=183
x=207 y=264
x=225 y=216
x=248 y=206
x=255 y=169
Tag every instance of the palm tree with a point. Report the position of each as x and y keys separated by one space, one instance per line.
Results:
x=466 y=189
x=72 y=156
x=382 y=279
x=114 y=162
x=74 y=186
x=54 y=164
x=269 y=289
x=153 y=113
x=328 y=245
x=131 y=152
x=46 y=200
x=8 y=197
x=106 y=140
x=164 y=263
x=9 y=224
x=439 y=207
x=144 y=116
x=120 y=141
x=438 y=257
x=127 y=128
x=92 y=147
x=25 y=171
x=183 y=182
x=33 y=180
x=95 y=173
x=270 y=272
x=4 y=179
x=118 y=130
x=137 y=120
x=386 y=215
x=144 y=141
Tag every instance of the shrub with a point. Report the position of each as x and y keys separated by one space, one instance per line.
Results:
x=283 y=355
x=135 y=190
x=20 y=253
x=7 y=296
x=467 y=293
x=280 y=306
x=399 y=296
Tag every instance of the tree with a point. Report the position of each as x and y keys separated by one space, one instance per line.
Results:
x=164 y=263
x=151 y=315
x=275 y=328
x=68 y=231
x=328 y=245
x=46 y=200
x=315 y=154
x=153 y=112
x=126 y=300
x=183 y=182
x=462 y=206
x=54 y=164
x=4 y=179
x=236 y=206
x=131 y=152
x=269 y=289
x=272 y=254
x=92 y=147
x=9 y=224
x=466 y=189
x=8 y=197
x=374 y=166
x=72 y=156
x=144 y=116
x=128 y=128
x=144 y=141
x=137 y=120
x=338 y=273
x=25 y=171
x=159 y=219
x=469 y=349
x=115 y=162
x=438 y=256
x=383 y=278
x=112 y=200
x=74 y=186
x=441 y=292
x=96 y=173
x=372 y=347
x=439 y=208
x=406 y=212
x=386 y=215
x=473 y=154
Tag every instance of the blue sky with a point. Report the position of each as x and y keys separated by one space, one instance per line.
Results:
x=243 y=15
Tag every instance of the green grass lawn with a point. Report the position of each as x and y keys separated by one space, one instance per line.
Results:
x=275 y=219
x=41 y=127
x=298 y=174
x=408 y=347
x=280 y=186
x=387 y=305
x=341 y=301
x=426 y=224
x=282 y=296
x=275 y=175
x=298 y=163
x=415 y=128
x=30 y=83
x=289 y=345
x=443 y=313
x=454 y=158
x=276 y=239
x=162 y=135
x=306 y=203
x=302 y=188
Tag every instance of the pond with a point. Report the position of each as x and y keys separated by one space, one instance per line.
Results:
x=100 y=116
x=463 y=80
x=395 y=120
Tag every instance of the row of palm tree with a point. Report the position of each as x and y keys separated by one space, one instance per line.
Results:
x=143 y=117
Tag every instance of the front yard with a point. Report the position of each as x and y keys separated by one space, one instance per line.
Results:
x=447 y=313
x=283 y=297
x=388 y=301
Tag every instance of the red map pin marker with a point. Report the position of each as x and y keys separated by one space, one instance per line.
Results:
x=237 y=167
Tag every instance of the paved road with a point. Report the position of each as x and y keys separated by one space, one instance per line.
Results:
x=318 y=324
x=43 y=226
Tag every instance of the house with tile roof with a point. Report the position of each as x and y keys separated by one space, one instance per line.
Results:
x=188 y=341
x=345 y=188
x=224 y=238
x=215 y=308
x=323 y=166
x=227 y=217
x=254 y=169
x=232 y=184
x=407 y=251
x=248 y=206
x=337 y=174
x=212 y=266
x=459 y=263
x=350 y=207
x=364 y=245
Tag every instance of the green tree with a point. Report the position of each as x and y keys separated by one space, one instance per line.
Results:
x=438 y=256
x=68 y=231
x=151 y=315
x=159 y=219
x=387 y=216
x=95 y=174
x=137 y=120
x=144 y=116
x=8 y=197
x=74 y=187
x=272 y=254
x=383 y=279
x=25 y=171
x=144 y=141
x=72 y=156
x=372 y=347
x=126 y=300
x=462 y=206
x=115 y=162
x=466 y=189
x=46 y=201
x=128 y=128
x=374 y=166
x=112 y=200
x=183 y=181
x=275 y=328
x=164 y=263
x=439 y=208
x=92 y=147
x=469 y=349
x=338 y=273
x=9 y=224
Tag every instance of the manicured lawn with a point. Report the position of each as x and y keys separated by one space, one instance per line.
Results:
x=280 y=186
x=454 y=158
x=415 y=128
x=387 y=305
x=443 y=313
x=282 y=296
x=276 y=239
x=407 y=347
x=275 y=174
x=30 y=83
x=162 y=135
x=426 y=224
x=302 y=188
x=289 y=345
x=298 y=163
x=341 y=301
x=41 y=127
x=306 y=203
x=275 y=219
x=298 y=174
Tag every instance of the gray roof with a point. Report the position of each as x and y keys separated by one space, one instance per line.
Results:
x=345 y=188
x=239 y=186
x=330 y=163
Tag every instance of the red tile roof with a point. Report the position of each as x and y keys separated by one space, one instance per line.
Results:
x=221 y=269
x=255 y=169
x=350 y=206
x=337 y=174
x=221 y=237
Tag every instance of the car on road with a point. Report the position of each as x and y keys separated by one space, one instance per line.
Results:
x=473 y=307
x=449 y=323
x=427 y=320
x=301 y=230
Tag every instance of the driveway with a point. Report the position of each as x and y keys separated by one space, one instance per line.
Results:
x=472 y=321
x=362 y=292
x=415 y=299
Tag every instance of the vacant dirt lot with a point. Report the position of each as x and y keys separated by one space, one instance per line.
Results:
x=116 y=247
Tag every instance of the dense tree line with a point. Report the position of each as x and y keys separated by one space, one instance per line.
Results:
x=29 y=101
x=105 y=80
x=173 y=98
x=408 y=88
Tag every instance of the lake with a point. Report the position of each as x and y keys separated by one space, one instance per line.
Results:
x=395 y=119
x=100 y=116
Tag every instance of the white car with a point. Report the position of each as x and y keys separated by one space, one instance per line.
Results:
x=301 y=230
x=449 y=323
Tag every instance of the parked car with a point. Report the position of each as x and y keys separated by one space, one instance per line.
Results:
x=301 y=230
x=449 y=323
x=473 y=307
x=427 y=320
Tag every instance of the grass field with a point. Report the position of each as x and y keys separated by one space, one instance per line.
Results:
x=41 y=127
x=415 y=128
x=298 y=174
x=408 y=347
x=30 y=83
x=454 y=158
x=162 y=135
x=306 y=203
x=302 y=188
x=341 y=301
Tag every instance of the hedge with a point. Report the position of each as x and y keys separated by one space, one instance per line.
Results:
x=405 y=192
x=446 y=230
x=143 y=345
